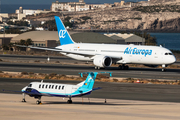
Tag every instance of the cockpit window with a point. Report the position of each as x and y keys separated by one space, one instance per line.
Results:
x=30 y=85
x=168 y=54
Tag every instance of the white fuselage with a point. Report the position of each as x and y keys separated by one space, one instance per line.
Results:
x=138 y=54
x=53 y=89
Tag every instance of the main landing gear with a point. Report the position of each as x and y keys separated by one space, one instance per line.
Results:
x=69 y=101
x=123 y=67
x=38 y=101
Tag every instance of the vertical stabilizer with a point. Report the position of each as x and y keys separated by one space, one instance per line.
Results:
x=89 y=82
x=63 y=34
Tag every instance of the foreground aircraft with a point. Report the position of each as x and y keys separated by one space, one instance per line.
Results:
x=103 y=55
x=39 y=89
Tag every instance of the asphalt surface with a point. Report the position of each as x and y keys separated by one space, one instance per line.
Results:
x=126 y=91
x=142 y=73
x=146 y=92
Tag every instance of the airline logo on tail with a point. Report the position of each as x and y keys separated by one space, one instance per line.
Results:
x=90 y=78
x=62 y=33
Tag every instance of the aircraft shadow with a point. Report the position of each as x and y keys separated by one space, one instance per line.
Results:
x=96 y=103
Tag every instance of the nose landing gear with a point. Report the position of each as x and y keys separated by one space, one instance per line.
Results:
x=38 y=101
x=164 y=68
x=23 y=100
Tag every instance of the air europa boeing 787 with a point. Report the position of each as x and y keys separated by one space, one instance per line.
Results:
x=103 y=55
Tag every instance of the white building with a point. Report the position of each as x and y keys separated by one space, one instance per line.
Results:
x=126 y=38
x=69 y=6
x=80 y=6
x=3 y=17
x=28 y=12
x=23 y=12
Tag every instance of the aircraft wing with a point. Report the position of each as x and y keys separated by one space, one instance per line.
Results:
x=57 y=50
x=40 y=48
x=114 y=58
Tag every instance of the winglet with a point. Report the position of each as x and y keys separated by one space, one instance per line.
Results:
x=63 y=34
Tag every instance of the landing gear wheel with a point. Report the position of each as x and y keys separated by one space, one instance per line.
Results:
x=163 y=70
x=69 y=101
x=38 y=102
x=123 y=67
x=126 y=67
x=97 y=68
x=23 y=100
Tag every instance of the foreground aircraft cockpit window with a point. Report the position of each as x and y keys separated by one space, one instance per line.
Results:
x=168 y=54
x=30 y=85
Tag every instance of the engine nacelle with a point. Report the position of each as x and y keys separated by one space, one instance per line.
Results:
x=102 y=61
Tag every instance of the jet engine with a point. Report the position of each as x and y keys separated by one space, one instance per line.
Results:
x=102 y=61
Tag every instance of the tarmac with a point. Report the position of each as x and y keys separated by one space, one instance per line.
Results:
x=11 y=108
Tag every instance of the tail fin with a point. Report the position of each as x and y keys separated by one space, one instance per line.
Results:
x=64 y=36
x=89 y=82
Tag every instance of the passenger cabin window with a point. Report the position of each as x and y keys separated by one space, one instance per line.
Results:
x=42 y=86
x=56 y=87
x=52 y=86
x=30 y=85
x=46 y=86
x=62 y=87
x=39 y=85
x=59 y=87
x=49 y=86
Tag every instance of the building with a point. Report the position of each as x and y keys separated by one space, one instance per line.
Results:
x=80 y=6
x=6 y=38
x=127 y=38
x=69 y=6
x=4 y=17
x=27 y=11
x=51 y=39
x=39 y=38
x=24 y=12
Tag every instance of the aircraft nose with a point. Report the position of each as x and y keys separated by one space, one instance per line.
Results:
x=173 y=59
x=24 y=89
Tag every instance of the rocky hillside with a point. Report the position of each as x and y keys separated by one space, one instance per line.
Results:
x=157 y=17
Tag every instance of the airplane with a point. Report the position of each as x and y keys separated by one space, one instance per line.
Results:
x=39 y=89
x=104 y=55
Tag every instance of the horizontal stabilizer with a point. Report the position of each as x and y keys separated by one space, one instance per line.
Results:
x=96 y=88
